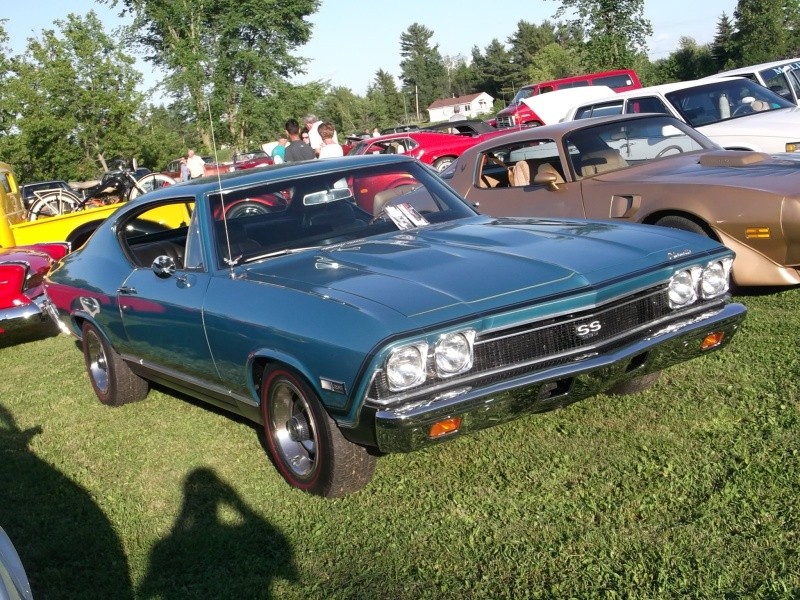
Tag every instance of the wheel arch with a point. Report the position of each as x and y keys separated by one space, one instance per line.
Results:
x=653 y=218
x=78 y=236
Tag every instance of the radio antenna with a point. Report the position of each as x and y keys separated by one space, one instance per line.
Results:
x=231 y=262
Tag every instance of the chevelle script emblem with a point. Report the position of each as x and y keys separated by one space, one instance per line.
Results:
x=681 y=254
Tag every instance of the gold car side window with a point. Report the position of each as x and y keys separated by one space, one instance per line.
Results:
x=517 y=165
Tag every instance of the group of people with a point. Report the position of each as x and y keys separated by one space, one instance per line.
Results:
x=317 y=139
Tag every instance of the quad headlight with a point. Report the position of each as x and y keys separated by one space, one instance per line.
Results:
x=408 y=366
x=452 y=353
x=710 y=281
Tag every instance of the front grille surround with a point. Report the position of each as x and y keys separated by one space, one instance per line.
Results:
x=515 y=351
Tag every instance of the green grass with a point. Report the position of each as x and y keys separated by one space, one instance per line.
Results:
x=689 y=490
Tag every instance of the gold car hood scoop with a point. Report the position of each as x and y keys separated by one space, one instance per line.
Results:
x=730 y=158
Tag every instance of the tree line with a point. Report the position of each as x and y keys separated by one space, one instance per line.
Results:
x=70 y=102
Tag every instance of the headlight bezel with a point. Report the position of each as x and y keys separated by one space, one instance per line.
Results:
x=404 y=357
x=694 y=283
x=465 y=338
x=416 y=363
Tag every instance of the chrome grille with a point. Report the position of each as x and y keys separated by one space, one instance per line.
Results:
x=511 y=352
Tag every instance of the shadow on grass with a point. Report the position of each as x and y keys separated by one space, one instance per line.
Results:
x=67 y=545
x=218 y=547
x=30 y=334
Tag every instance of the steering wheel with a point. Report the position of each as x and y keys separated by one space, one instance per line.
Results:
x=742 y=109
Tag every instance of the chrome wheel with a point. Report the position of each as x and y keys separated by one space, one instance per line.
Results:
x=294 y=429
x=97 y=362
x=112 y=380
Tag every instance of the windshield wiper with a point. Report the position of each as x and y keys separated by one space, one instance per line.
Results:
x=284 y=252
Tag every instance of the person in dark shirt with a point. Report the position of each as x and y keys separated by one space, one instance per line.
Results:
x=296 y=149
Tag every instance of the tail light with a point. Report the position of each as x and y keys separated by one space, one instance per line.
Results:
x=12 y=284
x=56 y=250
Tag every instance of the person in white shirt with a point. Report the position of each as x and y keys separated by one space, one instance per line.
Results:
x=314 y=139
x=196 y=164
x=329 y=147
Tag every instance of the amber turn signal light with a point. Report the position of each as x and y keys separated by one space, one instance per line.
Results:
x=712 y=340
x=444 y=427
x=757 y=233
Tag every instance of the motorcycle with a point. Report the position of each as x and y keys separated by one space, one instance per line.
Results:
x=118 y=185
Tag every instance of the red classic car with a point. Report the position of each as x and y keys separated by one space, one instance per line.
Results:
x=431 y=147
x=250 y=160
x=23 y=309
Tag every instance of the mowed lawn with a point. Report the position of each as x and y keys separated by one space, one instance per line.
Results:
x=688 y=490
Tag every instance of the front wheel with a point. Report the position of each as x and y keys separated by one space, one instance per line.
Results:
x=112 y=380
x=305 y=443
x=150 y=182
x=635 y=385
x=676 y=222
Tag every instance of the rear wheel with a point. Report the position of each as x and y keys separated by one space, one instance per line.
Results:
x=52 y=204
x=112 y=380
x=440 y=164
x=305 y=443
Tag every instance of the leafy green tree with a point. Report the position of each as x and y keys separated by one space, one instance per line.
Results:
x=422 y=68
x=555 y=61
x=616 y=30
x=232 y=58
x=525 y=43
x=761 y=30
x=76 y=101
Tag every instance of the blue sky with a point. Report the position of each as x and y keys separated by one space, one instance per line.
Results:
x=352 y=39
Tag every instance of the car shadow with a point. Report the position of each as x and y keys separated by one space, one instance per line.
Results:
x=33 y=334
x=67 y=545
x=203 y=554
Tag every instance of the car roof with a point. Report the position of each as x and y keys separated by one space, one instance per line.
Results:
x=758 y=67
x=277 y=172
x=558 y=130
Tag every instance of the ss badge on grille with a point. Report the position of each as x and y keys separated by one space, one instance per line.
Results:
x=587 y=329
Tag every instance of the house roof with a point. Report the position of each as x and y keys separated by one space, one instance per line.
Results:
x=453 y=101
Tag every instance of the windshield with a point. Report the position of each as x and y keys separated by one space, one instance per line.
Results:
x=523 y=93
x=329 y=208
x=724 y=99
x=617 y=145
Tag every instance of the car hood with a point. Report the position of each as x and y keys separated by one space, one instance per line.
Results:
x=775 y=174
x=774 y=123
x=477 y=264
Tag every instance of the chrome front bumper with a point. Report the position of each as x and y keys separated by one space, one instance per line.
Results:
x=405 y=428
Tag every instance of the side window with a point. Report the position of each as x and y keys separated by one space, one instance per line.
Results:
x=4 y=181
x=614 y=81
x=648 y=104
x=517 y=165
x=778 y=84
x=599 y=110
x=157 y=231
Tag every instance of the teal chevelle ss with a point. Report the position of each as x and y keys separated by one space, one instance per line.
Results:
x=359 y=306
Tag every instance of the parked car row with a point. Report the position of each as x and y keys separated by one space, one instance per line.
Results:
x=366 y=258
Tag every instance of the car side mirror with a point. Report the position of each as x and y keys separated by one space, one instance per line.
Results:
x=164 y=266
x=548 y=179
